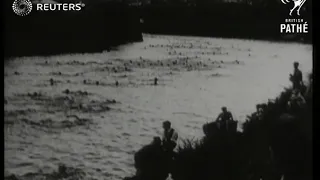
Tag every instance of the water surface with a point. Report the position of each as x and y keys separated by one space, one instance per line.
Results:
x=96 y=128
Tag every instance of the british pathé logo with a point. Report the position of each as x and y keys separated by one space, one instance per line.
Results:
x=296 y=25
x=297 y=4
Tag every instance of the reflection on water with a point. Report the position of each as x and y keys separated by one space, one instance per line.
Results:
x=91 y=112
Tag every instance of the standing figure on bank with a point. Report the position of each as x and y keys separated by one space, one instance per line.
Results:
x=169 y=142
x=170 y=137
x=224 y=118
x=296 y=77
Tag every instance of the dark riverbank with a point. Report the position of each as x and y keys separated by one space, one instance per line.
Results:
x=226 y=20
x=275 y=143
x=97 y=27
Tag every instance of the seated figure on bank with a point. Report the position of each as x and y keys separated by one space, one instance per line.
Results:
x=225 y=120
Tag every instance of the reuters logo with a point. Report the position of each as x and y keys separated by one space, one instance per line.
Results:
x=22 y=7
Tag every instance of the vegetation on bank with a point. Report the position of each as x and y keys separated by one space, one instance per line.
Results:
x=103 y=24
x=97 y=27
x=251 y=20
x=245 y=19
x=274 y=144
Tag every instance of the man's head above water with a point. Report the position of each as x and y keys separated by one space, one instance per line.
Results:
x=166 y=125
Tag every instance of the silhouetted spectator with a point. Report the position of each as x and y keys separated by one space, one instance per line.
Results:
x=169 y=142
x=296 y=77
x=170 y=137
x=224 y=118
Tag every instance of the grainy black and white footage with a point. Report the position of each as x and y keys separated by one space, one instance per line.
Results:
x=86 y=114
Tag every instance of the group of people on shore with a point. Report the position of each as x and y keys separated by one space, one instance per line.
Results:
x=164 y=147
x=161 y=150
x=154 y=161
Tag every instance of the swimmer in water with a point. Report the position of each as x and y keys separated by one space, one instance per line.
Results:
x=155 y=81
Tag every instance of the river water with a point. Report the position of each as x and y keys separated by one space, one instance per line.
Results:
x=81 y=119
